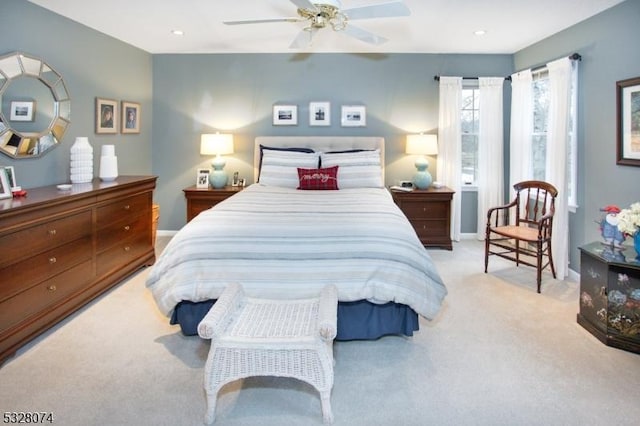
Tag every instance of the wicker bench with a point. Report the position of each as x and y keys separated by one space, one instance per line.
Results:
x=264 y=337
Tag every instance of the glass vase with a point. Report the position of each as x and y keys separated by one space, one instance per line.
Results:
x=636 y=242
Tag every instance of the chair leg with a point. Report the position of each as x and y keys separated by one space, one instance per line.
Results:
x=539 y=264
x=486 y=250
x=553 y=269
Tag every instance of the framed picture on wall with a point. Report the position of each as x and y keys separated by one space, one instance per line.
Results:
x=628 y=121
x=130 y=117
x=285 y=115
x=319 y=114
x=106 y=116
x=353 y=116
x=22 y=110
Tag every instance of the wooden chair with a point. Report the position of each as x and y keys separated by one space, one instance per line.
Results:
x=521 y=230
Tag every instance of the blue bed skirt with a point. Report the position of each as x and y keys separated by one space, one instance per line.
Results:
x=360 y=320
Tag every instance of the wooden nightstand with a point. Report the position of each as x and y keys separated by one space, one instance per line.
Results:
x=429 y=211
x=200 y=199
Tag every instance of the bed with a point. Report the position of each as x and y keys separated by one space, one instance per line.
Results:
x=279 y=241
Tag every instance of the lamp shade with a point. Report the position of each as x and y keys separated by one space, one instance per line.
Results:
x=216 y=144
x=422 y=144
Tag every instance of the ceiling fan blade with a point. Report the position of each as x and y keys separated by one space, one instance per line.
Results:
x=382 y=10
x=262 y=21
x=304 y=38
x=304 y=4
x=364 y=35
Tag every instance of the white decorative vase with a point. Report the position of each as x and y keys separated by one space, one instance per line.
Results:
x=81 y=165
x=108 y=164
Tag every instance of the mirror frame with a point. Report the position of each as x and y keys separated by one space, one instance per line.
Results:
x=20 y=145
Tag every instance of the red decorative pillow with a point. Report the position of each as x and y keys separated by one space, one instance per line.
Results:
x=318 y=178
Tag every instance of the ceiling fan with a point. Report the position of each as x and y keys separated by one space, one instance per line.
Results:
x=322 y=13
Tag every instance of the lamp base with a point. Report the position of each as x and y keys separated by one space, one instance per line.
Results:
x=422 y=178
x=218 y=177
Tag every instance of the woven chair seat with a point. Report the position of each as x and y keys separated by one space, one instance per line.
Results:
x=264 y=337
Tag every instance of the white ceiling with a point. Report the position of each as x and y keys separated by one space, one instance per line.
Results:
x=435 y=26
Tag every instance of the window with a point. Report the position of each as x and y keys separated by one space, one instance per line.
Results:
x=470 y=126
x=540 y=122
x=539 y=136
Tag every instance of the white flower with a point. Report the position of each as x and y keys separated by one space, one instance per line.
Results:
x=629 y=219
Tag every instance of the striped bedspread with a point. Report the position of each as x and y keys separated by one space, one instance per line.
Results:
x=285 y=243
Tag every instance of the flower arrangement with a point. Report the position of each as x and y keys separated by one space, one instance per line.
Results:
x=629 y=219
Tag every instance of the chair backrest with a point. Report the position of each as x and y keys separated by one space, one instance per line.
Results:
x=534 y=199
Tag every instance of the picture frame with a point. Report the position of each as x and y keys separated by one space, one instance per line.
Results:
x=353 y=116
x=628 y=122
x=285 y=115
x=106 y=116
x=130 y=120
x=319 y=114
x=5 y=189
x=202 y=178
x=22 y=111
x=10 y=173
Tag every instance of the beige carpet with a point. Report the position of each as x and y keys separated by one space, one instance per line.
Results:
x=498 y=354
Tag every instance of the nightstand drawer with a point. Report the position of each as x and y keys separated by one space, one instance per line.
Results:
x=431 y=228
x=421 y=209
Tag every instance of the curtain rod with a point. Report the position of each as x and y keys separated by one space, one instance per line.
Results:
x=573 y=57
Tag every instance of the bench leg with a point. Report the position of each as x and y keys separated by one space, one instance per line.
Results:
x=210 y=416
x=327 y=415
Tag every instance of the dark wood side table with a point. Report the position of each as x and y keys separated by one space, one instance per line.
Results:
x=200 y=199
x=429 y=211
x=610 y=295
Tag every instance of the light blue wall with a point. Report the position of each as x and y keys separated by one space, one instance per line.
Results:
x=235 y=93
x=608 y=43
x=92 y=65
x=185 y=95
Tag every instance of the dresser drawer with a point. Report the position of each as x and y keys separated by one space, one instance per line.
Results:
x=123 y=229
x=422 y=209
x=34 y=300
x=124 y=252
x=29 y=241
x=128 y=207
x=31 y=271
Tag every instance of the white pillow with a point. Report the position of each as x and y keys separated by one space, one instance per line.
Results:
x=280 y=168
x=358 y=169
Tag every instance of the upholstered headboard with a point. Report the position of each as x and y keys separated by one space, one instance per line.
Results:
x=318 y=144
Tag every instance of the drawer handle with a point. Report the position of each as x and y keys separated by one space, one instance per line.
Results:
x=127 y=207
x=52 y=260
x=52 y=288
x=127 y=248
x=127 y=227
x=52 y=232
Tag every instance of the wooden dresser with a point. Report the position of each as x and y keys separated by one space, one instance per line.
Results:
x=429 y=211
x=200 y=199
x=60 y=249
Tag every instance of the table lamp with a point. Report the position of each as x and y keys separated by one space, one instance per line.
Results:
x=422 y=145
x=217 y=144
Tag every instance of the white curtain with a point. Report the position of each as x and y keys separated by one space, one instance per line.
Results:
x=520 y=167
x=560 y=79
x=490 y=149
x=450 y=145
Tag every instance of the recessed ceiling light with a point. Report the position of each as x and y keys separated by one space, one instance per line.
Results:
x=480 y=32
x=177 y=32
